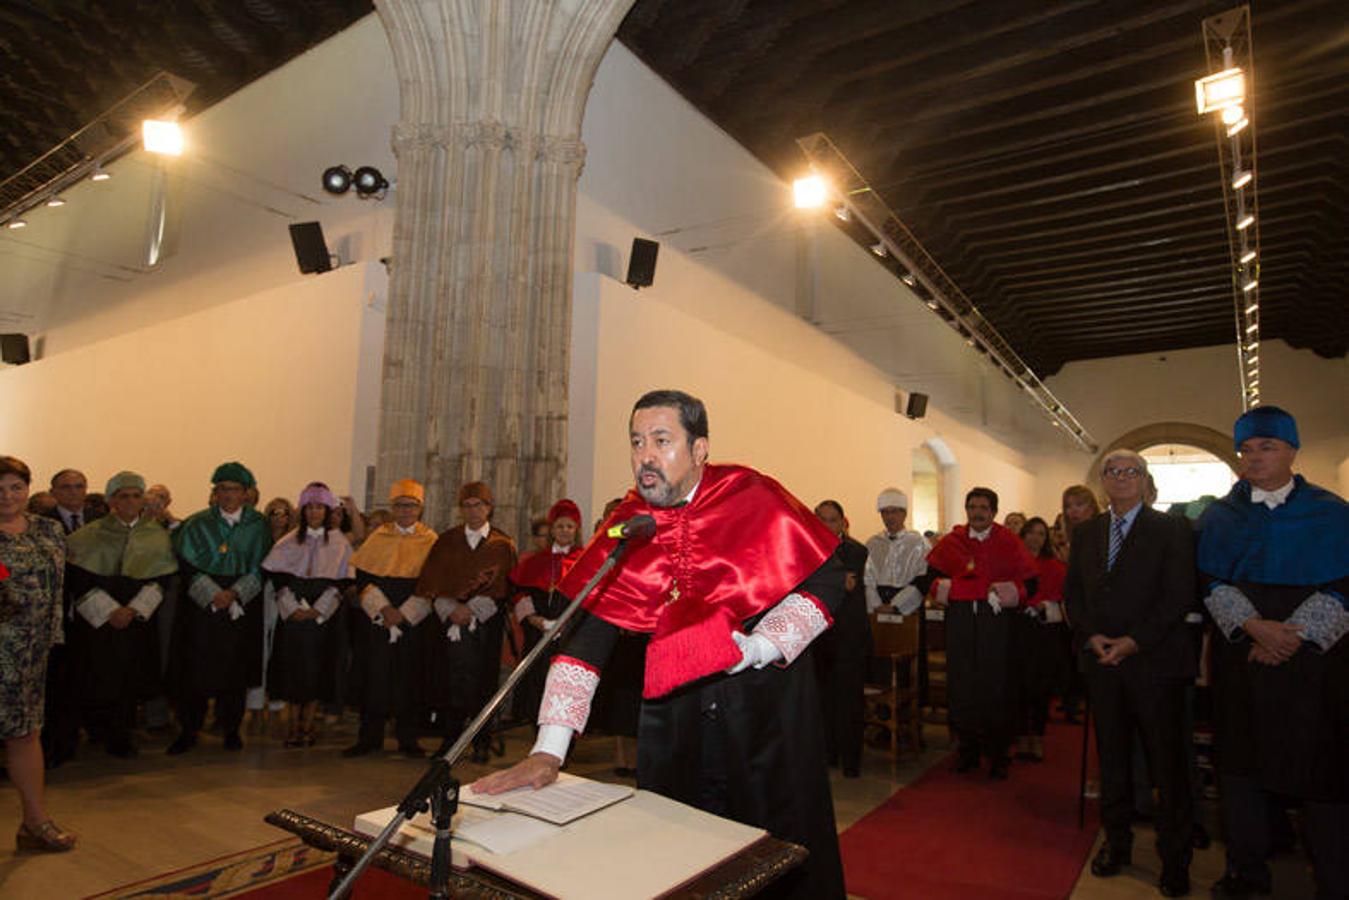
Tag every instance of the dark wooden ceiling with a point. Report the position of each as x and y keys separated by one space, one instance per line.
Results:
x=1048 y=154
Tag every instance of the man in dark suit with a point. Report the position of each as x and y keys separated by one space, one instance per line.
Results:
x=1130 y=583
x=61 y=724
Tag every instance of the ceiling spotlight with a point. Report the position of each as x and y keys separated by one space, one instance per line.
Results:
x=55 y=201
x=337 y=179
x=159 y=136
x=841 y=213
x=1251 y=328
x=1220 y=90
x=1252 y=308
x=100 y=174
x=1235 y=127
x=932 y=305
x=1231 y=115
x=369 y=181
x=878 y=248
x=1245 y=222
x=809 y=192
x=1250 y=285
x=908 y=279
x=1247 y=257
x=17 y=223
x=1242 y=178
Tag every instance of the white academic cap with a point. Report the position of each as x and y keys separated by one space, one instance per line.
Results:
x=891 y=497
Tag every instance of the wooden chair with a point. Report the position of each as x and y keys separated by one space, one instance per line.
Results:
x=895 y=707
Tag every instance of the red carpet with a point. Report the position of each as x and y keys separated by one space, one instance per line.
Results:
x=964 y=837
x=375 y=884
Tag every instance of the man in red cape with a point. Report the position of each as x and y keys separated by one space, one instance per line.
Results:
x=737 y=582
x=986 y=569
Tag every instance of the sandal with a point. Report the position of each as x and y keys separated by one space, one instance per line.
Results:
x=46 y=838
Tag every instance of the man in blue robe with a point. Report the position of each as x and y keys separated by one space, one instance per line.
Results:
x=1275 y=555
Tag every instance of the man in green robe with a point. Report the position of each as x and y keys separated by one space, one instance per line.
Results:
x=219 y=629
x=116 y=571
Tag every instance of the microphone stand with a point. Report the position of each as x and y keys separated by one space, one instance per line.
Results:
x=437 y=787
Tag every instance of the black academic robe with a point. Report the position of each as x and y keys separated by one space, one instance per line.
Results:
x=110 y=665
x=391 y=674
x=303 y=666
x=841 y=657
x=1286 y=726
x=529 y=691
x=212 y=652
x=749 y=746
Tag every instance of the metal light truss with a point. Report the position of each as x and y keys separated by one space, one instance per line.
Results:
x=927 y=279
x=1227 y=45
x=113 y=133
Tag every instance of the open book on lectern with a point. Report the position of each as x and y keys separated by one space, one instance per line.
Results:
x=631 y=844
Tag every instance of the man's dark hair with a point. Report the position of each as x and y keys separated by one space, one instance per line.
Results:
x=59 y=475
x=987 y=493
x=692 y=413
x=10 y=465
x=834 y=505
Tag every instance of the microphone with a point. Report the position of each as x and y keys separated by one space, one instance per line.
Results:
x=638 y=528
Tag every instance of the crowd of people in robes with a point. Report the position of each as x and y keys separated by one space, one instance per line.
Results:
x=114 y=607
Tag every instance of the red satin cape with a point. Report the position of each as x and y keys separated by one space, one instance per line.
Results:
x=1049 y=589
x=741 y=545
x=973 y=566
x=542 y=569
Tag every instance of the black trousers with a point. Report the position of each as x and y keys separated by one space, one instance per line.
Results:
x=1156 y=708
x=1246 y=822
x=391 y=684
x=843 y=674
x=229 y=710
x=979 y=678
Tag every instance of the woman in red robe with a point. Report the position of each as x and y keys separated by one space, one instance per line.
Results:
x=1038 y=643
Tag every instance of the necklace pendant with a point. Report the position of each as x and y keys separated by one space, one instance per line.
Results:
x=674 y=593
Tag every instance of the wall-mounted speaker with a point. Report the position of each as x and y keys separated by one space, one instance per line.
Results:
x=14 y=349
x=642 y=263
x=311 y=251
x=917 y=406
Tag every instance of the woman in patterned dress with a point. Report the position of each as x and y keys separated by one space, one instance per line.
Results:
x=32 y=562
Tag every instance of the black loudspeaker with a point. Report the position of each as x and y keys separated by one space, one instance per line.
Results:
x=14 y=349
x=310 y=250
x=917 y=406
x=642 y=263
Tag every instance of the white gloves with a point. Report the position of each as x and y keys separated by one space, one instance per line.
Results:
x=756 y=650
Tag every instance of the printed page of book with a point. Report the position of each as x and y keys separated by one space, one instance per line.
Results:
x=567 y=799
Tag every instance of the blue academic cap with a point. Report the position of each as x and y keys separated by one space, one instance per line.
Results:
x=1265 y=421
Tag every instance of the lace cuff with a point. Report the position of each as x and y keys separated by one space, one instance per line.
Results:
x=793 y=624
x=202 y=590
x=483 y=607
x=248 y=587
x=373 y=601
x=1229 y=608
x=524 y=609
x=1321 y=619
x=147 y=600
x=414 y=609
x=567 y=694
x=96 y=607
x=327 y=604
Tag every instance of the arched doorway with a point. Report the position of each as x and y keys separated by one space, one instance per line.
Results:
x=934 y=480
x=1185 y=473
x=1196 y=439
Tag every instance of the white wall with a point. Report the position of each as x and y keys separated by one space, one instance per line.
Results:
x=265 y=379
x=1199 y=386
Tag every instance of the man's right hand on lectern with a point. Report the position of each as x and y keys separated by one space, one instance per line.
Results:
x=536 y=770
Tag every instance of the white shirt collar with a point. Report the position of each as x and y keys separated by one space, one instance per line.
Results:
x=476 y=536
x=314 y=532
x=979 y=535
x=1272 y=499
x=558 y=548
x=129 y=525
x=234 y=517
x=409 y=530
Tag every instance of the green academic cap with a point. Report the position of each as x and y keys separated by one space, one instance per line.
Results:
x=236 y=472
x=124 y=480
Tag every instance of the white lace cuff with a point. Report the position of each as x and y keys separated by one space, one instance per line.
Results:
x=1321 y=619
x=908 y=600
x=445 y=606
x=414 y=609
x=327 y=603
x=483 y=607
x=524 y=609
x=1229 y=608
x=147 y=600
x=567 y=694
x=373 y=601
x=793 y=624
x=286 y=604
x=247 y=587
x=96 y=606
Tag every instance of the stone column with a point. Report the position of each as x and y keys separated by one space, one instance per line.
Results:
x=479 y=318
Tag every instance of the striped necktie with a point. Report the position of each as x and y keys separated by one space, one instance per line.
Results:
x=1116 y=540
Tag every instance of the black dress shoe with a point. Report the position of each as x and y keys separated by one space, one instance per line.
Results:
x=1175 y=881
x=1110 y=860
x=1235 y=887
x=233 y=741
x=998 y=771
x=182 y=744
x=358 y=749
x=122 y=749
x=412 y=751
x=966 y=763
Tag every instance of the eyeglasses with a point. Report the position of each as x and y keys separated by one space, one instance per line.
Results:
x=406 y=505
x=1129 y=472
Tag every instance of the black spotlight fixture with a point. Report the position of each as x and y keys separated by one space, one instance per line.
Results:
x=369 y=181
x=337 y=179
